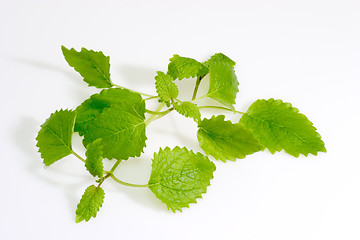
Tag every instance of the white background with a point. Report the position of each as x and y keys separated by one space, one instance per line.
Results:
x=305 y=52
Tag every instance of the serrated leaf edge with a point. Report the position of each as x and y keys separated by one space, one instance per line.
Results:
x=103 y=92
x=99 y=205
x=108 y=80
x=133 y=126
x=295 y=110
x=157 y=86
x=222 y=118
x=199 y=70
x=41 y=126
x=177 y=107
x=210 y=94
x=91 y=170
x=200 y=196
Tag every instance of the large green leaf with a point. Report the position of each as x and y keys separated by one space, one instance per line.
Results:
x=122 y=130
x=223 y=83
x=180 y=176
x=182 y=67
x=54 y=137
x=90 y=203
x=93 y=66
x=226 y=141
x=93 y=106
x=279 y=126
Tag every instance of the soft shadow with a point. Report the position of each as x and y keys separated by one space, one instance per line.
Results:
x=80 y=89
x=141 y=196
x=24 y=139
x=133 y=75
x=189 y=141
x=44 y=65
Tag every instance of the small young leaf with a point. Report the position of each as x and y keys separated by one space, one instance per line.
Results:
x=93 y=106
x=219 y=57
x=223 y=83
x=90 y=203
x=188 y=109
x=93 y=66
x=182 y=67
x=54 y=137
x=122 y=130
x=165 y=87
x=94 y=158
x=180 y=176
x=279 y=126
x=226 y=141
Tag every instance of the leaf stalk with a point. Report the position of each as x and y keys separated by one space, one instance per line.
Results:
x=198 y=80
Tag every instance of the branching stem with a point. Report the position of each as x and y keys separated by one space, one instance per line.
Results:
x=115 y=166
x=199 y=98
x=111 y=174
x=157 y=114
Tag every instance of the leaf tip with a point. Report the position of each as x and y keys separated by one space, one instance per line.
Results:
x=78 y=219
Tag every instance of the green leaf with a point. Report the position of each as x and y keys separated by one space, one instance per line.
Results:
x=226 y=141
x=182 y=67
x=95 y=105
x=223 y=83
x=180 y=176
x=219 y=57
x=93 y=66
x=94 y=158
x=165 y=87
x=279 y=126
x=54 y=137
x=188 y=109
x=122 y=129
x=90 y=203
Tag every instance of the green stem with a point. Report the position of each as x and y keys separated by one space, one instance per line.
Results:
x=126 y=183
x=157 y=116
x=198 y=80
x=78 y=156
x=157 y=113
x=223 y=108
x=144 y=94
x=104 y=178
x=114 y=167
x=111 y=174
x=153 y=117
x=152 y=97
x=199 y=98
